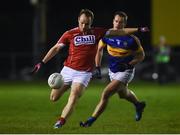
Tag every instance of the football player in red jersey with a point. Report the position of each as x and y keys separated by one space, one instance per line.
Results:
x=78 y=66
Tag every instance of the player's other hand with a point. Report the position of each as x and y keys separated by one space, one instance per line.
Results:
x=123 y=66
x=97 y=73
x=37 y=67
x=143 y=29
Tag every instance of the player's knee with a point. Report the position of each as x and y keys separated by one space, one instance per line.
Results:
x=53 y=98
x=55 y=95
x=123 y=93
x=122 y=96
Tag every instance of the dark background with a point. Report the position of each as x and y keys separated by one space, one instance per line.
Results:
x=17 y=19
x=22 y=45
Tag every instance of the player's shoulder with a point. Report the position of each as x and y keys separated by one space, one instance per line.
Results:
x=73 y=30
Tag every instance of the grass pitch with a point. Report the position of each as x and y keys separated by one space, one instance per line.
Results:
x=25 y=108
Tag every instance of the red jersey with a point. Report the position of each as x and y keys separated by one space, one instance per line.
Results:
x=82 y=47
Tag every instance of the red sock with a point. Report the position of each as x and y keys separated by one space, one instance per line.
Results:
x=62 y=120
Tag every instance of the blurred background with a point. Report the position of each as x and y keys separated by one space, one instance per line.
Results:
x=29 y=28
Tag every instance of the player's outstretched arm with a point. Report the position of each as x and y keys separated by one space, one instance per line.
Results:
x=51 y=53
x=125 y=31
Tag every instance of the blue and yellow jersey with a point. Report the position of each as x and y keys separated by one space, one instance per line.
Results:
x=120 y=49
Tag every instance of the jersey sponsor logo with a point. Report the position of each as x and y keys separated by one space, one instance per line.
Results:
x=84 y=40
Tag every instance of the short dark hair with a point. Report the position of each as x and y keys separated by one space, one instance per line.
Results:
x=87 y=12
x=121 y=14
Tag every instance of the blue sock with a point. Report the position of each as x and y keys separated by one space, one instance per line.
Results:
x=91 y=119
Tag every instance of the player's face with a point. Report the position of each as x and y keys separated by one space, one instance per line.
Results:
x=84 y=23
x=118 y=22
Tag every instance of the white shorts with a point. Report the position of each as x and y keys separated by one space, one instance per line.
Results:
x=124 y=77
x=70 y=76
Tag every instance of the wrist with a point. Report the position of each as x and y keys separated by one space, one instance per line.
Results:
x=42 y=63
x=139 y=29
x=130 y=66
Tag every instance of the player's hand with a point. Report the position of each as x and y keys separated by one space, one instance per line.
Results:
x=37 y=67
x=143 y=29
x=97 y=73
x=124 y=66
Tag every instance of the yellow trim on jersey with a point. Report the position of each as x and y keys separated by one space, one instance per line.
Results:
x=101 y=43
x=118 y=52
x=140 y=49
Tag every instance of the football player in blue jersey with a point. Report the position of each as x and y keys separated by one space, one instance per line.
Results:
x=124 y=52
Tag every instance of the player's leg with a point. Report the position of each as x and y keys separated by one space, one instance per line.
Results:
x=130 y=96
x=125 y=78
x=57 y=93
x=75 y=94
x=110 y=89
x=80 y=82
x=127 y=94
x=67 y=78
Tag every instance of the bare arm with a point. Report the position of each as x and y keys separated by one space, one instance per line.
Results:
x=138 y=58
x=120 y=32
x=139 y=55
x=99 y=55
x=52 y=52
x=125 y=31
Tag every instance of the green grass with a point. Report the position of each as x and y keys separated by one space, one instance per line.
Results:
x=25 y=108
